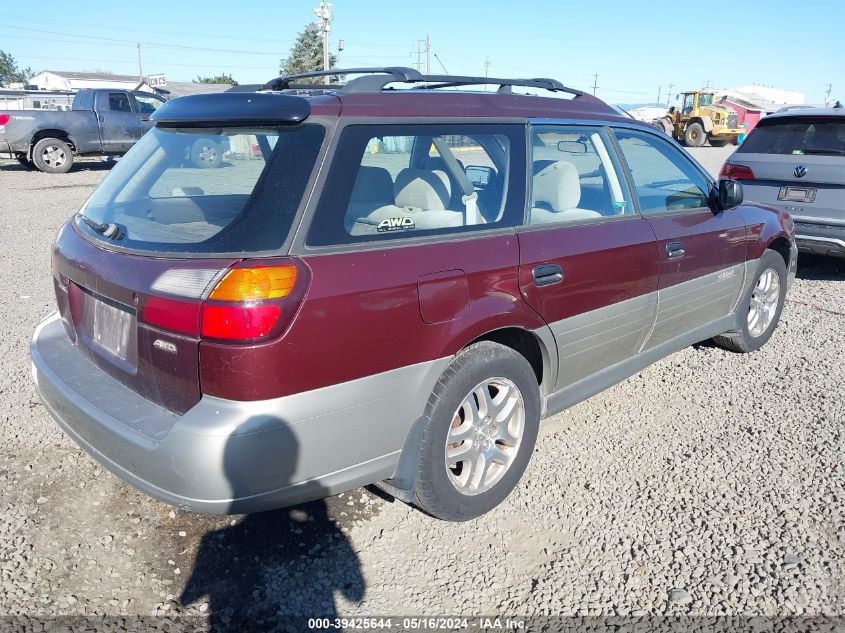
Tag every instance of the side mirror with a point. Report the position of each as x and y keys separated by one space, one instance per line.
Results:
x=730 y=194
x=480 y=176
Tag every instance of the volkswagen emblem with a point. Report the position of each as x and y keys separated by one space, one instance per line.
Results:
x=800 y=171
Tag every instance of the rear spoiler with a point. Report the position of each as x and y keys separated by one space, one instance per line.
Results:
x=230 y=108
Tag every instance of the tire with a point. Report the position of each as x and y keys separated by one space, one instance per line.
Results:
x=694 y=135
x=52 y=155
x=762 y=299
x=206 y=154
x=663 y=126
x=719 y=142
x=501 y=373
x=24 y=161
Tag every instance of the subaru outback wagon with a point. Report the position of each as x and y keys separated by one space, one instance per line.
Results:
x=391 y=281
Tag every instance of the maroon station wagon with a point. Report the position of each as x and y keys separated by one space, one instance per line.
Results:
x=391 y=281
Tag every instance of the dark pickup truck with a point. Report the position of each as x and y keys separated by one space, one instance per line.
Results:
x=103 y=122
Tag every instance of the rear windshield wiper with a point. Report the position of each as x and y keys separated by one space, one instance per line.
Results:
x=111 y=231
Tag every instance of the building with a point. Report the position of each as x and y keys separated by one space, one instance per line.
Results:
x=67 y=80
x=748 y=114
x=766 y=98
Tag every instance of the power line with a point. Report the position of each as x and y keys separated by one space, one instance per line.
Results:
x=152 y=44
x=595 y=83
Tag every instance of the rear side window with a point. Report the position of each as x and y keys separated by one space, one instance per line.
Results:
x=190 y=190
x=396 y=181
x=574 y=177
x=119 y=102
x=797 y=136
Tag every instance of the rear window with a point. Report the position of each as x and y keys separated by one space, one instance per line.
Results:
x=190 y=190
x=799 y=136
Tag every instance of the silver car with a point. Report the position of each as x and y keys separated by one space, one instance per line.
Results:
x=795 y=161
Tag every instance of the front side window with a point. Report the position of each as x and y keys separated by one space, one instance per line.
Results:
x=665 y=181
x=797 y=136
x=205 y=190
x=147 y=104
x=689 y=103
x=574 y=177
x=396 y=181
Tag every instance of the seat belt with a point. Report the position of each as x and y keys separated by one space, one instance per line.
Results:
x=470 y=195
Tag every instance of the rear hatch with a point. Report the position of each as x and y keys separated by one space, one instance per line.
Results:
x=796 y=163
x=173 y=250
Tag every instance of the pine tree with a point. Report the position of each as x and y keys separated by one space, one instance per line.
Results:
x=306 y=54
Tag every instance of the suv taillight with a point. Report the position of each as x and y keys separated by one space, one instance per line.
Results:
x=254 y=300
x=736 y=172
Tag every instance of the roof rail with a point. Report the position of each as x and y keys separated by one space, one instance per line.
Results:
x=377 y=79
x=505 y=85
x=394 y=73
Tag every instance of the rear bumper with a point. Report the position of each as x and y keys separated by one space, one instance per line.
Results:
x=820 y=236
x=224 y=456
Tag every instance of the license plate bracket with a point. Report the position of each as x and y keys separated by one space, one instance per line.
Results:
x=797 y=194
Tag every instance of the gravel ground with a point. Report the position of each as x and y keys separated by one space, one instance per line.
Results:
x=710 y=483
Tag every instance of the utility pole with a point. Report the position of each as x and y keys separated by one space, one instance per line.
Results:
x=427 y=54
x=659 y=89
x=419 y=53
x=595 y=83
x=707 y=85
x=324 y=12
x=140 y=68
x=827 y=94
x=669 y=94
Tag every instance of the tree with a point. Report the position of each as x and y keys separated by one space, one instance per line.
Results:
x=223 y=78
x=306 y=54
x=10 y=72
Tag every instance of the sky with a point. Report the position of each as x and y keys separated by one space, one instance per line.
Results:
x=636 y=49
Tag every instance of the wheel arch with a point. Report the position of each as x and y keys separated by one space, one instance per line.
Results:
x=780 y=245
x=530 y=346
x=51 y=133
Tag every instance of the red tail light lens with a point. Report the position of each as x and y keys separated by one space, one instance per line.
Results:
x=736 y=172
x=239 y=323
x=5 y=118
x=172 y=315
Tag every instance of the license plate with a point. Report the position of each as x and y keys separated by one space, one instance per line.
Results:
x=797 y=194
x=109 y=327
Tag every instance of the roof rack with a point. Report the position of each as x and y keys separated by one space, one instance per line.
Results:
x=377 y=79
x=395 y=73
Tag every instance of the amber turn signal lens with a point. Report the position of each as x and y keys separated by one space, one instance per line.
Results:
x=255 y=284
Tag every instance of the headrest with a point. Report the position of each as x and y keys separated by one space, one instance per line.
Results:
x=420 y=188
x=373 y=185
x=557 y=186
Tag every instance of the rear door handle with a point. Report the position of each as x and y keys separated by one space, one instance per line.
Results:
x=675 y=250
x=547 y=274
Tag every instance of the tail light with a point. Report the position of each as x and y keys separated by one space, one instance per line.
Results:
x=736 y=172
x=5 y=118
x=253 y=300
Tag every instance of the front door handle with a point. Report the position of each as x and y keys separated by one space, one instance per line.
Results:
x=547 y=274
x=675 y=250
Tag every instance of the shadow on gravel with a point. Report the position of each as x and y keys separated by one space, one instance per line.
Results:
x=77 y=166
x=817 y=268
x=272 y=570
